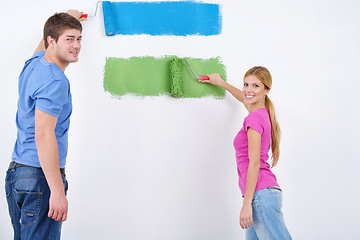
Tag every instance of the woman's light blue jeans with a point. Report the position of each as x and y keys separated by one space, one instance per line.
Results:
x=267 y=217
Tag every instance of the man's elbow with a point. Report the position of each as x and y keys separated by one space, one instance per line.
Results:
x=42 y=135
x=39 y=136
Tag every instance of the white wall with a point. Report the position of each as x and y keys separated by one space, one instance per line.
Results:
x=163 y=168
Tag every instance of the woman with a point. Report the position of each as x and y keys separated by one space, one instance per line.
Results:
x=261 y=211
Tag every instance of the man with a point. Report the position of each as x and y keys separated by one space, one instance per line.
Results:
x=35 y=181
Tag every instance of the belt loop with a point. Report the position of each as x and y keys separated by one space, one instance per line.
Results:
x=13 y=166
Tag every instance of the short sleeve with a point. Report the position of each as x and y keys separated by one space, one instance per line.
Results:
x=253 y=120
x=52 y=97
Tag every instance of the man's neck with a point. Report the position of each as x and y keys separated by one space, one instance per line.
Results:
x=50 y=57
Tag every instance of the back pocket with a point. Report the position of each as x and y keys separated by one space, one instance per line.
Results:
x=30 y=207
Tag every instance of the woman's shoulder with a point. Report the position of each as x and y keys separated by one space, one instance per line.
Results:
x=259 y=116
x=258 y=113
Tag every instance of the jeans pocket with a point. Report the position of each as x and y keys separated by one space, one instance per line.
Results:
x=30 y=209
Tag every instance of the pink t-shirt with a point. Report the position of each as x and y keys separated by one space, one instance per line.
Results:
x=259 y=121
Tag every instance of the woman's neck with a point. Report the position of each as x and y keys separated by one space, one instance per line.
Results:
x=254 y=107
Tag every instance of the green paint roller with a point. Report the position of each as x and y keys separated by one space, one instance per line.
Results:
x=176 y=78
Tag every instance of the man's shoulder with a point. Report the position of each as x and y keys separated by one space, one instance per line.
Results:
x=35 y=58
x=46 y=70
x=39 y=53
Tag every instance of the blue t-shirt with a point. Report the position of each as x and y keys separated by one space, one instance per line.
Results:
x=42 y=86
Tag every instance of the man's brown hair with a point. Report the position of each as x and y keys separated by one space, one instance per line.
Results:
x=57 y=24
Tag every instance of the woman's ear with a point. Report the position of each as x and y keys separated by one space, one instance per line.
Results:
x=267 y=91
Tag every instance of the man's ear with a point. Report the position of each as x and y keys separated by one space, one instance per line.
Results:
x=50 y=41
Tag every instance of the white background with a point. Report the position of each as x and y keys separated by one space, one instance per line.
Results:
x=162 y=168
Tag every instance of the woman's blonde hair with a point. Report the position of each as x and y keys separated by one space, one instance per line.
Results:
x=265 y=77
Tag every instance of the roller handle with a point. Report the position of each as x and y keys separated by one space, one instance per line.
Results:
x=84 y=16
x=202 y=77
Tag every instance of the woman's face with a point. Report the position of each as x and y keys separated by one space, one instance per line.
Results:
x=254 y=91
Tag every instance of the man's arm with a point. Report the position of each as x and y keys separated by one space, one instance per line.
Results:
x=41 y=46
x=48 y=153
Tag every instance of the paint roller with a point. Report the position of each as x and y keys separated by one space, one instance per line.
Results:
x=85 y=16
x=201 y=77
x=110 y=22
x=177 y=77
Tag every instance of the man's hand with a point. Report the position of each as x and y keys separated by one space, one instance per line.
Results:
x=76 y=14
x=58 y=206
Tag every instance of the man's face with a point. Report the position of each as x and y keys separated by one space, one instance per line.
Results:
x=68 y=46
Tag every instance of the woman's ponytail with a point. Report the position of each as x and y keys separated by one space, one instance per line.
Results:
x=275 y=132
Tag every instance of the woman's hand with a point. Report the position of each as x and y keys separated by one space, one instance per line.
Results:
x=246 y=219
x=215 y=79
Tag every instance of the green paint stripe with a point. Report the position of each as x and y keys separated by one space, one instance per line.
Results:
x=149 y=76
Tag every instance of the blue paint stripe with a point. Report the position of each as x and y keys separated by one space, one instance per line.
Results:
x=162 y=18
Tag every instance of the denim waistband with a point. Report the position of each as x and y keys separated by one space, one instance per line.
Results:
x=14 y=165
x=275 y=187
